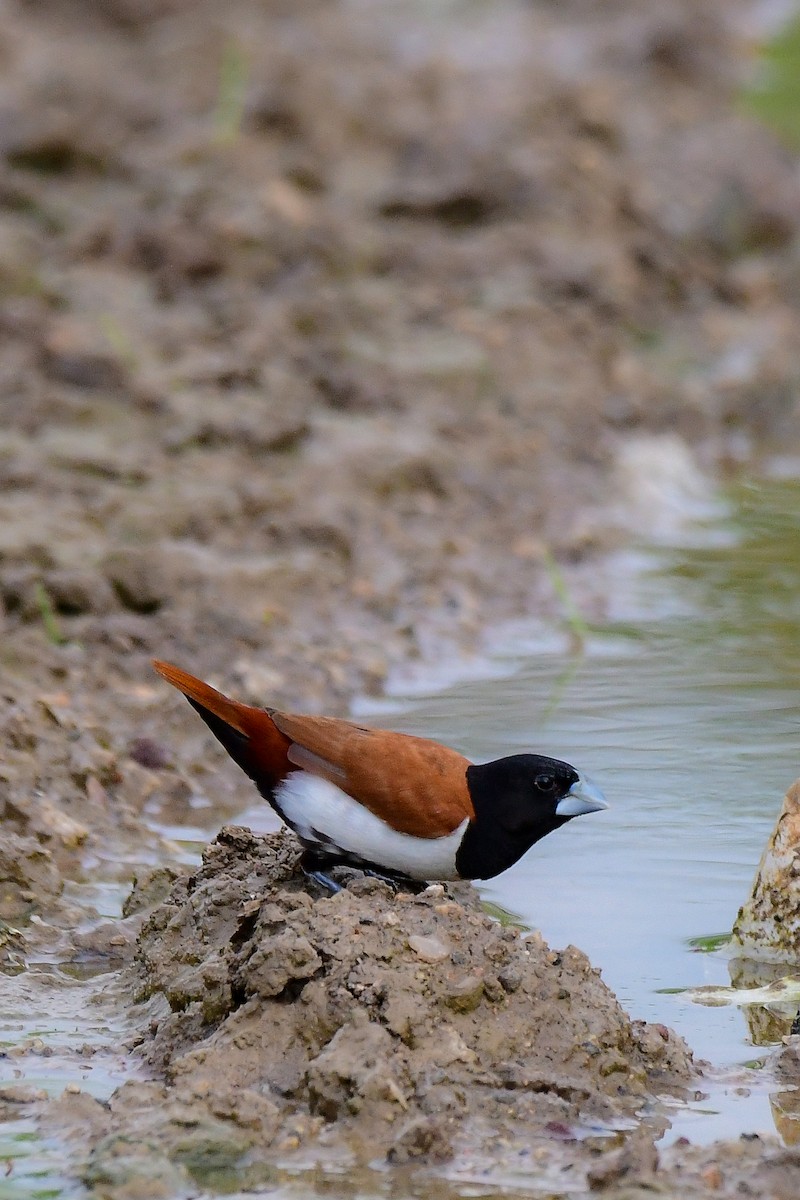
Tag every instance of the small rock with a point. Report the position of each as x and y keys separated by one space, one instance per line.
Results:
x=465 y=994
x=510 y=978
x=493 y=989
x=147 y=752
x=137 y=576
x=429 y=949
x=712 y=1177
x=434 y=890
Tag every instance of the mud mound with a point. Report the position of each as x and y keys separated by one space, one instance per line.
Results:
x=395 y=1025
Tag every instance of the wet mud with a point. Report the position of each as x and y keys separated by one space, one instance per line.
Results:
x=369 y=1026
x=332 y=334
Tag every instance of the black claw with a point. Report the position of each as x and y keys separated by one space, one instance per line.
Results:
x=315 y=866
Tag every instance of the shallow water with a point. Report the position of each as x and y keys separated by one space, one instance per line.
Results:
x=686 y=709
x=60 y=1034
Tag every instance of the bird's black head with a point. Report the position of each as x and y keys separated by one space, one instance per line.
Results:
x=519 y=800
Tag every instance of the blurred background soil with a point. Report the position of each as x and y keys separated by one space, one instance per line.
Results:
x=327 y=326
x=323 y=324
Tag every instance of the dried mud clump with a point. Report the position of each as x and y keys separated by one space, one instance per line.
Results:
x=394 y=1025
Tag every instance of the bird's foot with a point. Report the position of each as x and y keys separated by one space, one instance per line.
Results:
x=317 y=867
x=312 y=868
x=324 y=881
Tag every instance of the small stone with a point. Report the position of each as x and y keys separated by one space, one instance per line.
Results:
x=465 y=994
x=712 y=1177
x=434 y=890
x=429 y=949
x=137 y=576
x=147 y=752
x=494 y=990
x=510 y=978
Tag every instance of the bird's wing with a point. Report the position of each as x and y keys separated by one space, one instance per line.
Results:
x=417 y=785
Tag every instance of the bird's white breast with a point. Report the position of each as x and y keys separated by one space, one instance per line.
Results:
x=325 y=816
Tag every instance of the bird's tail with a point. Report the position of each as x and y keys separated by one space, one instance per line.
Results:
x=248 y=734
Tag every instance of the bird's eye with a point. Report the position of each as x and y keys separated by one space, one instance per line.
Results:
x=544 y=782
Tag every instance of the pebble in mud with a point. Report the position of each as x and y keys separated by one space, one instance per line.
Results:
x=429 y=949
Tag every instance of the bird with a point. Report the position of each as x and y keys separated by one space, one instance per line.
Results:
x=403 y=807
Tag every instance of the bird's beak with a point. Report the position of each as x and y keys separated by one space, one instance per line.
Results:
x=583 y=797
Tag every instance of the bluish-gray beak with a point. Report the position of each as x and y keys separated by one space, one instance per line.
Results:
x=583 y=797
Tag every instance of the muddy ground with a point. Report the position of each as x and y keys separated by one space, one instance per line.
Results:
x=327 y=328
